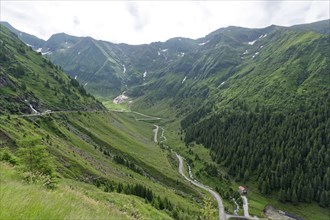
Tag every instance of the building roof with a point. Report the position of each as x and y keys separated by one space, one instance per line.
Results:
x=242 y=188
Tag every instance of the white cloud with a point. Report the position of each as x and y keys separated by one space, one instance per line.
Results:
x=147 y=21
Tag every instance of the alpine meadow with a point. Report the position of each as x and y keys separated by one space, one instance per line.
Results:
x=233 y=125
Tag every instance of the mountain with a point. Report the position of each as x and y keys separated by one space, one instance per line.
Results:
x=30 y=82
x=63 y=156
x=270 y=117
x=107 y=69
x=322 y=27
x=29 y=39
x=257 y=99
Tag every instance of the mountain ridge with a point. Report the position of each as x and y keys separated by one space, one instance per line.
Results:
x=139 y=59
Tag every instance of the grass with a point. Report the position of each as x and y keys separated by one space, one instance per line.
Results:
x=307 y=211
x=71 y=200
x=116 y=107
x=79 y=155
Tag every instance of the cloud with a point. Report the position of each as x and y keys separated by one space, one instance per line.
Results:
x=140 y=19
x=76 y=21
x=137 y=22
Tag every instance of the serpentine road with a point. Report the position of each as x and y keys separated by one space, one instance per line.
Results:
x=215 y=195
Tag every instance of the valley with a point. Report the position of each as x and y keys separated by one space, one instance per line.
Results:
x=167 y=130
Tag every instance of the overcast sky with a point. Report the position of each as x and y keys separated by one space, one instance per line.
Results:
x=137 y=22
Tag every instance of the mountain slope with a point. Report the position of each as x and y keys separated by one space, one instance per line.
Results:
x=94 y=160
x=28 y=78
x=270 y=118
x=107 y=69
x=29 y=39
x=275 y=81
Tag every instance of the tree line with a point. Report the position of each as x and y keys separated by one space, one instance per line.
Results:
x=176 y=211
x=287 y=153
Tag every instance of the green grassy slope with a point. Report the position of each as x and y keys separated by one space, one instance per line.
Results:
x=72 y=200
x=102 y=159
x=28 y=78
x=34 y=41
x=84 y=146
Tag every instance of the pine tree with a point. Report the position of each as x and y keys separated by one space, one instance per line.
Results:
x=36 y=159
x=282 y=196
x=294 y=197
x=324 y=199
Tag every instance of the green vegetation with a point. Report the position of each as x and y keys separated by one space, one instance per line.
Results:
x=245 y=143
x=29 y=79
x=109 y=155
x=71 y=200
x=255 y=98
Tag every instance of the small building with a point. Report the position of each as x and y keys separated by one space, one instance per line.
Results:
x=242 y=190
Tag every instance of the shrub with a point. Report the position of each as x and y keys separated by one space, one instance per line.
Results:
x=40 y=178
x=8 y=156
x=36 y=159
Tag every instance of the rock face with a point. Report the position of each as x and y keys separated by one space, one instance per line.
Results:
x=4 y=81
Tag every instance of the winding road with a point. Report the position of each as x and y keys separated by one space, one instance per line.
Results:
x=156 y=133
x=215 y=195
x=245 y=206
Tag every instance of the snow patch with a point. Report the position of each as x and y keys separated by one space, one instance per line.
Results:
x=78 y=52
x=165 y=50
x=246 y=52
x=124 y=70
x=263 y=36
x=255 y=55
x=39 y=50
x=75 y=77
x=252 y=42
x=221 y=84
x=49 y=52
x=261 y=46
x=34 y=111
x=145 y=74
x=184 y=79
x=201 y=44
x=85 y=84
x=158 y=53
x=181 y=54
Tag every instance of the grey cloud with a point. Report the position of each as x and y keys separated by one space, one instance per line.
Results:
x=140 y=19
x=76 y=21
x=277 y=11
x=270 y=8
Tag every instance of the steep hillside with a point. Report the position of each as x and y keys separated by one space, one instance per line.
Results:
x=256 y=98
x=270 y=120
x=107 y=69
x=29 y=39
x=78 y=155
x=30 y=82
x=99 y=159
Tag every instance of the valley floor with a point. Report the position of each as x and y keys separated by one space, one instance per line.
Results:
x=85 y=144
